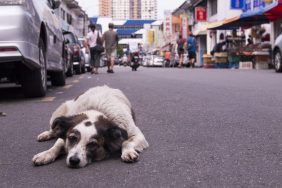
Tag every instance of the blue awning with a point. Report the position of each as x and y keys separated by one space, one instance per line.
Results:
x=138 y=22
x=93 y=20
x=258 y=16
x=126 y=31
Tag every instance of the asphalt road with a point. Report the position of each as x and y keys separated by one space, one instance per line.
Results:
x=206 y=128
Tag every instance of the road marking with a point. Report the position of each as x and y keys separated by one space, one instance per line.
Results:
x=67 y=86
x=48 y=99
x=81 y=77
x=75 y=81
x=60 y=92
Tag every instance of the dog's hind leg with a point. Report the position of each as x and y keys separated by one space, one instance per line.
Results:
x=49 y=155
x=132 y=147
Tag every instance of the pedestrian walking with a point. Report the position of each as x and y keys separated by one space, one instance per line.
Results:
x=191 y=48
x=92 y=40
x=167 y=58
x=180 y=50
x=110 y=38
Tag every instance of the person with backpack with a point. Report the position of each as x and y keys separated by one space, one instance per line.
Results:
x=93 y=39
x=180 y=50
x=191 y=48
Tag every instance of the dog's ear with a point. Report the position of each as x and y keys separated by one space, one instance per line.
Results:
x=109 y=129
x=62 y=124
x=117 y=133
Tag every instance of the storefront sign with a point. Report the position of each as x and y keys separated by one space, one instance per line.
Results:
x=247 y=5
x=259 y=4
x=237 y=4
x=168 y=22
x=184 y=22
x=256 y=4
x=201 y=14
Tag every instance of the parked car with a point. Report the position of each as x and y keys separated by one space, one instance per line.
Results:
x=154 y=61
x=31 y=45
x=277 y=54
x=84 y=54
x=77 y=56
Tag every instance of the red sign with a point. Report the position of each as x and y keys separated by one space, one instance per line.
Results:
x=201 y=14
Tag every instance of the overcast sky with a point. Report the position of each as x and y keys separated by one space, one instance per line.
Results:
x=91 y=6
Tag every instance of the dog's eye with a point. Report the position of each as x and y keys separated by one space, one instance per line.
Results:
x=92 y=144
x=72 y=139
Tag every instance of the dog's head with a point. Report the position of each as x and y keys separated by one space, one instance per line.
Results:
x=88 y=137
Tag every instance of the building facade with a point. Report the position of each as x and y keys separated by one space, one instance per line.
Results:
x=105 y=8
x=128 y=9
x=149 y=9
x=73 y=18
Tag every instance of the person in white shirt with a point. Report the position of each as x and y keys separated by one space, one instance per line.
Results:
x=91 y=41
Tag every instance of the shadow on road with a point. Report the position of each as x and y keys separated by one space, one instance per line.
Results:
x=11 y=93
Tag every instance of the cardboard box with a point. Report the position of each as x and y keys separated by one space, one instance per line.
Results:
x=246 y=65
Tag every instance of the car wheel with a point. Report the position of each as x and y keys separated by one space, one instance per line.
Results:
x=278 y=61
x=78 y=70
x=70 y=70
x=88 y=69
x=83 y=69
x=58 y=78
x=35 y=81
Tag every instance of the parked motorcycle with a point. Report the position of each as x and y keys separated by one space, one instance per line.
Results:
x=135 y=61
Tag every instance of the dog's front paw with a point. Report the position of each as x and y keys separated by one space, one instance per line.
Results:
x=130 y=156
x=43 y=158
x=44 y=136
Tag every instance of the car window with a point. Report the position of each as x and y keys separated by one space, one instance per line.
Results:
x=70 y=37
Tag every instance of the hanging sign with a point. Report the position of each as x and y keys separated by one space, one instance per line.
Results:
x=201 y=14
x=237 y=4
x=168 y=22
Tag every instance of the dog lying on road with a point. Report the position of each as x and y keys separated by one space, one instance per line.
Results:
x=91 y=127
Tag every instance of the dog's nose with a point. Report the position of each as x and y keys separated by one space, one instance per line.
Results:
x=74 y=161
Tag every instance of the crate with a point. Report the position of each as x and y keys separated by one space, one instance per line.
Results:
x=221 y=57
x=248 y=65
x=207 y=59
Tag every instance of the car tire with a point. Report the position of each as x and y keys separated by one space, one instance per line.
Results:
x=70 y=70
x=83 y=69
x=59 y=78
x=35 y=81
x=78 y=70
x=277 y=61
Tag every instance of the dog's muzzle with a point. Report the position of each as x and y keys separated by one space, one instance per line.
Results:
x=74 y=162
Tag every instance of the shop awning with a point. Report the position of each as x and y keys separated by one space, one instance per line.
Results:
x=251 y=18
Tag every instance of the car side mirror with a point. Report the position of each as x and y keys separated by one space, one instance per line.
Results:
x=56 y=4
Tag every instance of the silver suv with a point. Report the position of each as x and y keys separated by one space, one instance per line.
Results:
x=31 y=45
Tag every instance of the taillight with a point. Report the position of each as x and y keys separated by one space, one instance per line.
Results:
x=8 y=49
x=76 y=50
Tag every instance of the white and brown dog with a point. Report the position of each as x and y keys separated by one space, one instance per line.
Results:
x=91 y=127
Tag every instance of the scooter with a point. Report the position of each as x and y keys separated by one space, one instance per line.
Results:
x=135 y=61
